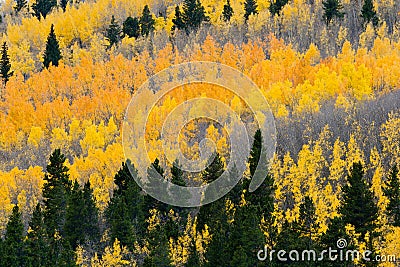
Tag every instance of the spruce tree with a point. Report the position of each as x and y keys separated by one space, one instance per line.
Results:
x=332 y=8
x=19 y=5
x=126 y=212
x=227 y=13
x=262 y=197
x=55 y=193
x=43 y=7
x=392 y=192
x=177 y=21
x=193 y=15
x=368 y=12
x=81 y=223
x=113 y=33
x=131 y=27
x=63 y=4
x=210 y=213
x=250 y=8
x=276 y=6
x=336 y=231
x=52 y=54
x=13 y=247
x=147 y=21
x=37 y=243
x=358 y=207
x=5 y=65
x=90 y=215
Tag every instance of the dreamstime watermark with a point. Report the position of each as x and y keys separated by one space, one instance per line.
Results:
x=339 y=253
x=149 y=95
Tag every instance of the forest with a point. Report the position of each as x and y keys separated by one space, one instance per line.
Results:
x=329 y=70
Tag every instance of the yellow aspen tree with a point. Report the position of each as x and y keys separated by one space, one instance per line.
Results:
x=354 y=153
x=114 y=256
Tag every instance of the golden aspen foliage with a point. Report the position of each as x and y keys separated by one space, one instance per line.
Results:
x=390 y=138
x=114 y=256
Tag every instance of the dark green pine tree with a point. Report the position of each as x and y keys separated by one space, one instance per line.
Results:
x=126 y=213
x=227 y=13
x=63 y=4
x=308 y=221
x=43 y=7
x=276 y=6
x=52 y=54
x=154 y=188
x=113 y=33
x=193 y=15
x=81 y=225
x=5 y=65
x=37 y=243
x=131 y=27
x=262 y=197
x=177 y=21
x=336 y=231
x=73 y=228
x=332 y=9
x=90 y=215
x=147 y=21
x=13 y=247
x=288 y=239
x=250 y=8
x=368 y=13
x=178 y=179
x=61 y=253
x=19 y=5
x=55 y=193
x=358 y=207
x=210 y=213
x=159 y=247
x=392 y=192
x=246 y=237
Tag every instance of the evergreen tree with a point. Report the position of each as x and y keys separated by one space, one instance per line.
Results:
x=81 y=223
x=19 y=5
x=193 y=15
x=63 y=4
x=90 y=215
x=126 y=212
x=262 y=197
x=178 y=22
x=368 y=12
x=5 y=65
x=37 y=244
x=358 y=207
x=52 y=54
x=228 y=11
x=131 y=27
x=61 y=253
x=177 y=179
x=147 y=21
x=392 y=192
x=332 y=8
x=276 y=6
x=158 y=244
x=335 y=232
x=308 y=220
x=43 y=7
x=210 y=213
x=117 y=213
x=55 y=193
x=250 y=8
x=13 y=247
x=73 y=229
x=113 y=33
